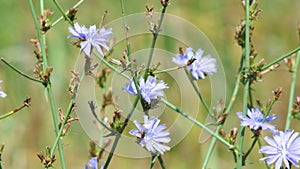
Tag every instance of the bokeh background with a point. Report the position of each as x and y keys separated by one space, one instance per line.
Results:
x=31 y=130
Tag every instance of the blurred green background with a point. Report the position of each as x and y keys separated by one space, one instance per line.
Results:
x=31 y=130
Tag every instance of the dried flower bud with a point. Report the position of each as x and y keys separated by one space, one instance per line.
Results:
x=93 y=149
x=222 y=133
x=222 y=119
x=72 y=13
x=233 y=133
x=290 y=62
x=296 y=106
x=46 y=160
x=45 y=22
x=164 y=3
x=244 y=3
x=117 y=124
x=149 y=12
x=255 y=14
x=74 y=81
x=277 y=93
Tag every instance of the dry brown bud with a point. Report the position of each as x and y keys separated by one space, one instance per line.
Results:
x=277 y=93
x=164 y=3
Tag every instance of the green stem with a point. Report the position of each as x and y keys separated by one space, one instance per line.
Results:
x=69 y=110
x=1 y=151
x=55 y=121
x=210 y=149
x=58 y=136
x=62 y=12
x=62 y=17
x=7 y=115
x=155 y=35
x=167 y=70
x=198 y=92
x=42 y=40
x=170 y=105
x=20 y=72
x=128 y=47
x=280 y=58
x=292 y=92
x=267 y=112
x=161 y=162
x=110 y=65
x=153 y=160
x=111 y=153
x=240 y=159
x=118 y=136
x=251 y=148
x=38 y=30
x=227 y=111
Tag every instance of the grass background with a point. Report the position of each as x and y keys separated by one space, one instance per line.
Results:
x=31 y=130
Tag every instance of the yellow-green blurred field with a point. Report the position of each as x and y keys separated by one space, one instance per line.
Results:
x=31 y=130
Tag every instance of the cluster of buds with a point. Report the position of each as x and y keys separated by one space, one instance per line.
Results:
x=218 y=113
x=68 y=120
x=38 y=51
x=123 y=62
x=45 y=20
x=72 y=14
x=241 y=29
x=74 y=81
x=290 y=62
x=253 y=74
x=231 y=137
x=277 y=93
x=117 y=124
x=46 y=159
x=41 y=74
x=39 y=71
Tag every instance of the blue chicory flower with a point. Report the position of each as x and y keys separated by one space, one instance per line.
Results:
x=149 y=90
x=255 y=120
x=201 y=67
x=151 y=135
x=182 y=59
x=91 y=38
x=283 y=149
x=2 y=94
x=93 y=163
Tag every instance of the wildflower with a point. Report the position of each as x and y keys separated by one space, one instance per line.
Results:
x=182 y=59
x=150 y=90
x=2 y=94
x=201 y=67
x=151 y=135
x=255 y=120
x=93 y=163
x=284 y=148
x=91 y=38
